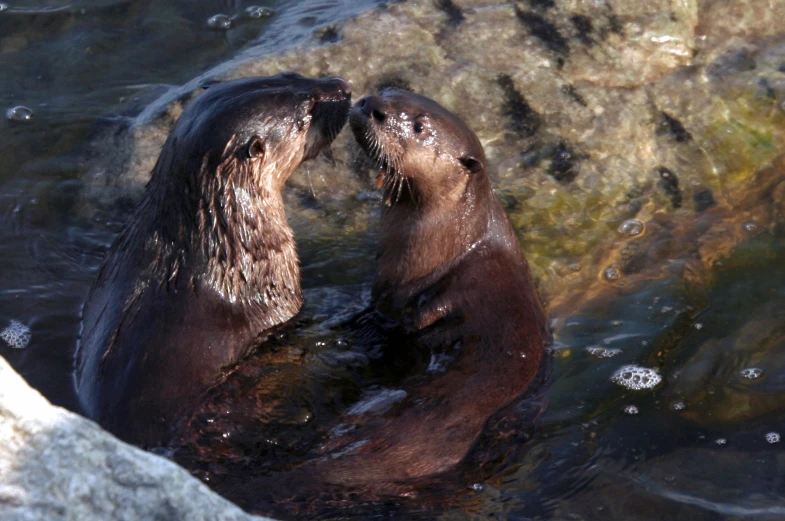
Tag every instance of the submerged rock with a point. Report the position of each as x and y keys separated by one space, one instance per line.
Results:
x=56 y=465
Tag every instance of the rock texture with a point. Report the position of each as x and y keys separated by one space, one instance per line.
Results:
x=592 y=114
x=55 y=465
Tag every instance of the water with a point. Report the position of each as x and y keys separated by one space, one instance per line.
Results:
x=702 y=444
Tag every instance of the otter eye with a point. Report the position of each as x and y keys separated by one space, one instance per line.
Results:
x=255 y=147
x=418 y=127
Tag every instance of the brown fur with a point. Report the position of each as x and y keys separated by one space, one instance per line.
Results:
x=452 y=285
x=207 y=265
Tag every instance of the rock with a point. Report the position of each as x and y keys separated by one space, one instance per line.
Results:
x=591 y=113
x=56 y=465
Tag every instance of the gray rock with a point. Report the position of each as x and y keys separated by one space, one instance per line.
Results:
x=56 y=465
x=591 y=113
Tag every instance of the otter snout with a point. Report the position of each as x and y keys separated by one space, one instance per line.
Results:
x=373 y=107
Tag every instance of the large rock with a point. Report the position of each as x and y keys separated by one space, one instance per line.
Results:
x=591 y=113
x=56 y=465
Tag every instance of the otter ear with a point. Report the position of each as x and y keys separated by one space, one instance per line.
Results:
x=472 y=164
x=255 y=147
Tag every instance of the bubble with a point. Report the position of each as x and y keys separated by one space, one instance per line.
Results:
x=631 y=410
x=3 y=7
x=773 y=437
x=751 y=373
x=721 y=441
x=678 y=406
x=16 y=335
x=220 y=22
x=698 y=326
x=636 y=378
x=254 y=11
x=603 y=352
x=477 y=487
x=575 y=267
x=631 y=227
x=19 y=113
x=751 y=226
x=611 y=273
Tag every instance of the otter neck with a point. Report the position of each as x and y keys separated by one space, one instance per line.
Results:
x=237 y=239
x=422 y=238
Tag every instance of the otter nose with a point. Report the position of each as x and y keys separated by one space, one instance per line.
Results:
x=373 y=107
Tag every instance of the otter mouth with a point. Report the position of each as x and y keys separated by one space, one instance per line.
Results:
x=329 y=113
x=368 y=128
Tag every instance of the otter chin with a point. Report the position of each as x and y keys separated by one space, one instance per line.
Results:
x=206 y=267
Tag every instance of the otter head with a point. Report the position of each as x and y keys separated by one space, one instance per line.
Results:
x=264 y=126
x=216 y=190
x=425 y=152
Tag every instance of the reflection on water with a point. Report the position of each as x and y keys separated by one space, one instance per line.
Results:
x=703 y=444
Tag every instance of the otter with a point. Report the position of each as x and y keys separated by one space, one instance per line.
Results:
x=452 y=281
x=452 y=297
x=206 y=268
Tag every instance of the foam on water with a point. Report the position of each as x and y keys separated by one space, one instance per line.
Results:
x=16 y=335
x=603 y=352
x=636 y=377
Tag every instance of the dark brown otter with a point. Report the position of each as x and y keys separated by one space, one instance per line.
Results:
x=207 y=265
x=451 y=277
x=452 y=286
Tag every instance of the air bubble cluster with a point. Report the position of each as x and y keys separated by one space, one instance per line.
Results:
x=678 y=406
x=631 y=410
x=773 y=437
x=751 y=373
x=220 y=22
x=16 y=335
x=636 y=377
x=254 y=11
x=603 y=352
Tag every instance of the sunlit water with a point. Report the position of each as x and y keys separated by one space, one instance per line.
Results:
x=696 y=436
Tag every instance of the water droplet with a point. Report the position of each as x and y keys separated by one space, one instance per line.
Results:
x=631 y=409
x=721 y=441
x=751 y=226
x=678 y=406
x=19 y=113
x=255 y=11
x=636 y=378
x=773 y=437
x=611 y=273
x=631 y=227
x=751 y=373
x=220 y=22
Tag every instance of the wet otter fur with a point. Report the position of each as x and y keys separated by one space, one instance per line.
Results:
x=206 y=267
x=452 y=290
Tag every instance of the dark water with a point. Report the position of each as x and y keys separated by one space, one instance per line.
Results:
x=700 y=444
